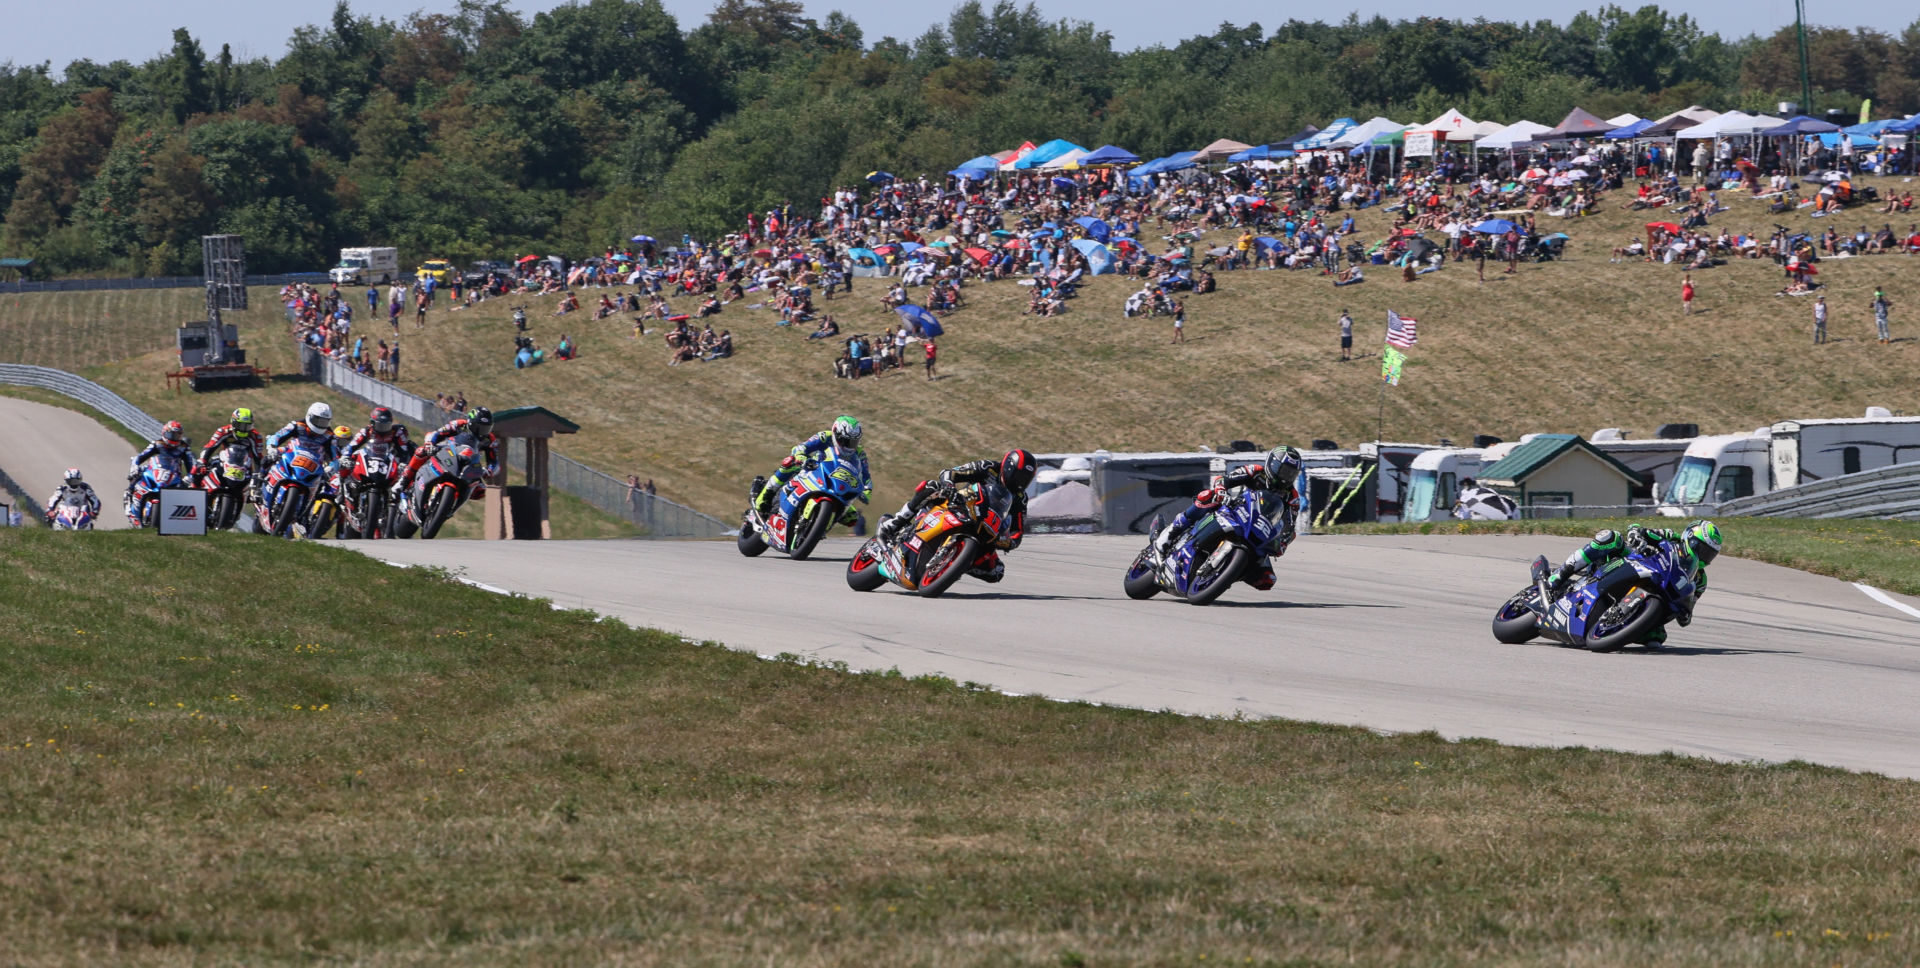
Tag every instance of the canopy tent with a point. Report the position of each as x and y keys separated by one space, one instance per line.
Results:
x=1174 y=162
x=1859 y=140
x=1579 y=123
x=1672 y=124
x=1517 y=133
x=1069 y=160
x=920 y=320
x=1629 y=130
x=1800 y=124
x=1099 y=257
x=1730 y=124
x=1624 y=120
x=1046 y=152
x=1475 y=131
x=1449 y=122
x=1365 y=133
x=1260 y=153
x=1099 y=231
x=1325 y=136
x=1220 y=150
x=1289 y=142
x=976 y=168
x=1871 y=129
x=1108 y=155
x=1908 y=126
x=1693 y=111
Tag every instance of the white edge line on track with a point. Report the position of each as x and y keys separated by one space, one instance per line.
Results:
x=1886 y=599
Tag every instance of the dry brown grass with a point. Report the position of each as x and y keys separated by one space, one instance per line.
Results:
x=1567 y=346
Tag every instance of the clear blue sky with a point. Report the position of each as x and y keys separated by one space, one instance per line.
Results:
x=136 y=30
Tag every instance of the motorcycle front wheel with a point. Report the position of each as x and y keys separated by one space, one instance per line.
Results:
x=1208 y=586
x=1515 y=622
x=437 y=511
x=947 y=563
x=1141 y=584
x=1617 y=628
x=863 y=572
x=823 y=514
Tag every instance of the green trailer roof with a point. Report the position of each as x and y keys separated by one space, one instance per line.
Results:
x=1521 y=462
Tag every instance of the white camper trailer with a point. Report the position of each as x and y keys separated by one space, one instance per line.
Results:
x=1787 y=454
x=1434 y=482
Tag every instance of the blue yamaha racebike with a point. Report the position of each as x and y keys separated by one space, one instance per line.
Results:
x=1216 y=551
x=803 y=510
x=1621 y=604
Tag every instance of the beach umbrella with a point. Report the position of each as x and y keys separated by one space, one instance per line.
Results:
x=920 y=320
x=1533 y=173
x=979 y=255
x=887 y=248
x=1065 y=183
x=523 y=260
x=1015 y=244
x=876 y=177
x=641 y=239
x=1001 y=234
x=1494 y=226
x=1668 y=227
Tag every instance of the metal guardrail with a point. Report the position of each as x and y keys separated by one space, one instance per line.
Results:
x=656 y=516
x=1887 y=492
x=154 y=282
x=86 y=391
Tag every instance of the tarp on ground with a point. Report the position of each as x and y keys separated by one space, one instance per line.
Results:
x=1517 y=133
x=1099 y=231
x=1109 y=155
x=1067 y=161
x=1579 y=123
x=920 y=320
x=1099 y=257
x=1324 y=137
x=1365 y=133
x=1219 y=150
x=1800 y=124
x=1630 y=130
x=1045 y=153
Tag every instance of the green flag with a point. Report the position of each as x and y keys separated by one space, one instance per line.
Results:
x=1390 y=362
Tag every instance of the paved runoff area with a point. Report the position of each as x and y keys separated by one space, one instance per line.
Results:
x=39 y=442
x=1388 y=632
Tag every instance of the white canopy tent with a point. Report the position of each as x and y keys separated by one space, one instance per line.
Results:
x=1511 y=136
x=1449 y=122
x=1623 y=120
x=1364 y=134
x=1476 y=131
x=1069 y=160
x=1730 y=124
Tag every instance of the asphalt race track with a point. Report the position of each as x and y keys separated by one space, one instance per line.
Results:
x=1389 y=632
x=39 y=442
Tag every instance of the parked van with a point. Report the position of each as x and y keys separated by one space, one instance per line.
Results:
x=366 y=265
x=1434 y=482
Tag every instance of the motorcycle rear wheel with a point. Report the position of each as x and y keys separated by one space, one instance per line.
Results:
x=1141 y=584
x=1515 y=623
x=1222 y=579
x=863 y=572
x=1651 y=615
x=947 y=564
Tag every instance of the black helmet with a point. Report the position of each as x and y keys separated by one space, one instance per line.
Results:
x=1016 y=470
x=481 y=419
x=381 y=420
x=1283 y=466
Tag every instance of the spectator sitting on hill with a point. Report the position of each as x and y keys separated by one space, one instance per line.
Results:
x=721 y=348
x=711 y=307
x=894 y=299
x=828 y=328
x=606 y=308
x=568 y=303
x=565 y=350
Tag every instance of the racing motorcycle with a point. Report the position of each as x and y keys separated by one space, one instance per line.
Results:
x=73 y=513
x=1216 y=551
x=365 y=508
x=803 y=511
x=158 y=473
x=454 y=475
x=291 y=487
x=323 y=515
x=1620 y=604
x=952 y=535
x=225 y=482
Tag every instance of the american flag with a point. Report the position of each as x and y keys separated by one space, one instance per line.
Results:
x=1402 y=331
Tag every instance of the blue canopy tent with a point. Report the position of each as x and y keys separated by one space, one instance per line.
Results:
x=1630 y=131
x=920 y=320
x=1177 y=161
x=1908 y=126
x=1255 y=153
x=1108 y=155
x=1099 y=257
x=1832 y=140
x=1798 y=125
x=1099 y=230
x=979 y=168
x=1871 y=129
x=1327 y=135
x=1289 y=142
x=1047 y=152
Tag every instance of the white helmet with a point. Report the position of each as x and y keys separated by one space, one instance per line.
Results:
x=72 y=475
x=320 y=418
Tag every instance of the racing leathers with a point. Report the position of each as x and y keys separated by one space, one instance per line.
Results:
x=396 y=441
x=987 y=567
x=1260 y=573
x=178 y=451
x=1609 y=546
x=254 y=443
x=488 y=443
x=82 y=490
x=796 y=461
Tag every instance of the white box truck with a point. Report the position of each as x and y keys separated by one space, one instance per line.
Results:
x=1787 y=454
x=368 y=265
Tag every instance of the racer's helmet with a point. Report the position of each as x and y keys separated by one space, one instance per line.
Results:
x=1703 y=541
x=242 y=422
x=1283 y=468
x=481 y=420
x=72 y=477
x=173 y=433
x=846 y=433
x=320 y=418
x=1016 y=470
x=380 y=421
x=342 y=432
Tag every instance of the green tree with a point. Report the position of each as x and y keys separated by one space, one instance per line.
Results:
x=183 y=85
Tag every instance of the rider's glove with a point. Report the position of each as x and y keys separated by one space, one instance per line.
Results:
x=1208 y=498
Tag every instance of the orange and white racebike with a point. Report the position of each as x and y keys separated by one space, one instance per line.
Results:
x=959 y=530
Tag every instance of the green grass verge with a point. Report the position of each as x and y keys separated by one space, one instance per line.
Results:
x=365 y=764
x=1881 y=553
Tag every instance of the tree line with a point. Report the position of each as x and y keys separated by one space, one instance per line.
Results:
x=480 y=132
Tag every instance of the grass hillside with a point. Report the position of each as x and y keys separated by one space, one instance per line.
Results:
x=491 y=781
x=1566 y=346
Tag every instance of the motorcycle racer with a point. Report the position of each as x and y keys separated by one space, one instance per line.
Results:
x=383 y=429
x=1278 y=471
x=1699 y=542
x=478 y=422
x=843 y=439
x=72 y=485
x=238 y=430
x=1015 y=470
x=315 y=430
x=171 y=443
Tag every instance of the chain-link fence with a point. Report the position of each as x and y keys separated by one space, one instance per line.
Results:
x=154 y=282
x=86 y=391
x=656 y=516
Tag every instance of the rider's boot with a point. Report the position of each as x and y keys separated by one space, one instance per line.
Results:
x=1657 y=637
x=1260 y=574
x=989 y=569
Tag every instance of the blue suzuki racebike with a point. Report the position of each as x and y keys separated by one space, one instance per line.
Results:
x=291 y=487
x=1621 y=604
x=803 y=510
x=1216 y=551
